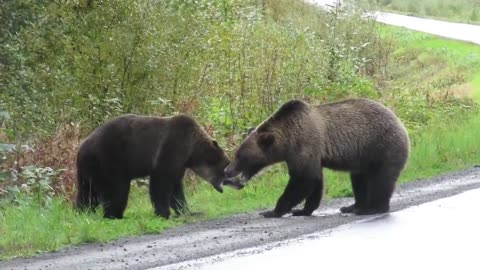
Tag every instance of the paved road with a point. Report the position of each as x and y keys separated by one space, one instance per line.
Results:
x=458 y=31
x=442 y=234
x=204 y=239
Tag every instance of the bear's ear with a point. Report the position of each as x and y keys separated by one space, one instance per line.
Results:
x=266 y=139
x=215 y=143
x=250 y=130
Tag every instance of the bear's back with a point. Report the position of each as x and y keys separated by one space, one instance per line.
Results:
x=359 y=130
x=125 y=128
x=359 y=117
x=124 y=138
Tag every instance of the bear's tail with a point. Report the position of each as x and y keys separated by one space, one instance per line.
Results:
x=87 y=198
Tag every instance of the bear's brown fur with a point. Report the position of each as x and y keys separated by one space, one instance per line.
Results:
x=132 y=146
x=360 y=136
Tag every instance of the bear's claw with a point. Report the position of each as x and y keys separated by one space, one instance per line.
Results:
x=301 y=212
x=270 y=214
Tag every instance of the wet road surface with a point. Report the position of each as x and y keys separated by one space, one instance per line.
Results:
x=442 y=234
x=458 y=31
x=210 y=238
x=451 y=30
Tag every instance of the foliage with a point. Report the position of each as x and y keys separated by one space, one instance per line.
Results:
x=25 y=185
x=70 y=63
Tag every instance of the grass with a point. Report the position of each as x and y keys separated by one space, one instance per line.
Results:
x=467 y=11
x=29 y=229
x=438 y=64
x=446 y=144
x=476 y=86
x=444 y=147
x=441 y=66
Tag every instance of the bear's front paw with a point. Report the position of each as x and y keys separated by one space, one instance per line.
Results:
x=190 y=214
x=270 y=214
x=371 y=211
x=301 y=212
x=348 y=209
x=163 y=213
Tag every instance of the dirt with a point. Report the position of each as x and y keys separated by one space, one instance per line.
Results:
x=198 y=240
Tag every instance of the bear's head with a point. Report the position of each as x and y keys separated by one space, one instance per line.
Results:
x=269 y=143
x=208 y=161
x=260 y=149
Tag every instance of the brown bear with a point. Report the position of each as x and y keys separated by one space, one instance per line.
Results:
x=360 y=136
x=132 y=146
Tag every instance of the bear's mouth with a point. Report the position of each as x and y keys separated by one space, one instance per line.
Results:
x=236 y=182
x=243 y=178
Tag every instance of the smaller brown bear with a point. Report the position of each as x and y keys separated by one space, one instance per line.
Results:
x=360 y=136
x=132 y=146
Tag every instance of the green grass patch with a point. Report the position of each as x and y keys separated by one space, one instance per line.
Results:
x=30 y=228
x=427 y=62
x=444 y=147
x=476 y=87
x=419 y=39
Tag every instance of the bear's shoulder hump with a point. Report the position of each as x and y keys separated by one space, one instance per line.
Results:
x=292 y=106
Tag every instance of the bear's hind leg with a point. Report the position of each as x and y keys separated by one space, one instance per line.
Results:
x=177 y=200
x=313 y=200
x=87 y=198
x=359 y=187
x=380 y=187
x=114 y=198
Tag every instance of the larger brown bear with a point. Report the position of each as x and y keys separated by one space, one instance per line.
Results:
x=131 y=146
x=360 y=136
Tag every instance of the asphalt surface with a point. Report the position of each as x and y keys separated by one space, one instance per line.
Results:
x=209 y=238
x=458 y=31
x=442 y=234
x=451 y=30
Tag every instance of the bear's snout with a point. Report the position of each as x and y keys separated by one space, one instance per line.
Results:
x=230 y=171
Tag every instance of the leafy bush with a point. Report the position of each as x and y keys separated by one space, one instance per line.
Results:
x=20 y=185
x=166 y=57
